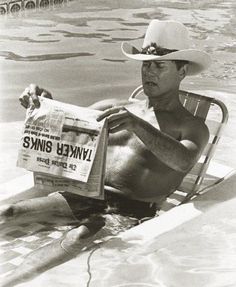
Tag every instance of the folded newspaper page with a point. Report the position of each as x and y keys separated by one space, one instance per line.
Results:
x=65 y=147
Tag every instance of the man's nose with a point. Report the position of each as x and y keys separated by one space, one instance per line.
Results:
x=151 y=68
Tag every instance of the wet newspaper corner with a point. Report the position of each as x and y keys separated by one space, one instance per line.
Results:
x=65 y=147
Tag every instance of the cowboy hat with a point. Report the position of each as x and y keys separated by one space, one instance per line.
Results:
x=172 y=37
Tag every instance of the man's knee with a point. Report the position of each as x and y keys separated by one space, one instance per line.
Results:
x=94 y=223
x=8 y=211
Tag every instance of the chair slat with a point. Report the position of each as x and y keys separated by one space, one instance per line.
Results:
x=188 y=186
x=191 y=105
x=196 y=104
x=203 y=107
x=177 y=197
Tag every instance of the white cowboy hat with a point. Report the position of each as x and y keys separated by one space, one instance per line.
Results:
x=170 y=35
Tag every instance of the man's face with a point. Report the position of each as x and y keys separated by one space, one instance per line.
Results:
x=160 y=77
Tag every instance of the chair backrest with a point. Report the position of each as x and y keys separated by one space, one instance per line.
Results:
x=215 y=115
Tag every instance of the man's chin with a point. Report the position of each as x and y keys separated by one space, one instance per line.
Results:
x=151 y=90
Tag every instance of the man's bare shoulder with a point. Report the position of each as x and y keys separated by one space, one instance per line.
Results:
x=194 y=129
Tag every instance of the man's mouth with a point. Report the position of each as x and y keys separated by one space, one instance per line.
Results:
x=150 y=84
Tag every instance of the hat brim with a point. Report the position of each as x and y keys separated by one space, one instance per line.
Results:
x=198 y=60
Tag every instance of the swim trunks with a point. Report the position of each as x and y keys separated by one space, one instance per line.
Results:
x=82 y=207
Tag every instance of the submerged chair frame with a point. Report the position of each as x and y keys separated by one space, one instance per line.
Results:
x=199 y=106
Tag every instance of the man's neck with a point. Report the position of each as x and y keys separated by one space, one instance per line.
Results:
x=165 y=102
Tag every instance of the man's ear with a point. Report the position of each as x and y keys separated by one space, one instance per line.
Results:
x=183 y=71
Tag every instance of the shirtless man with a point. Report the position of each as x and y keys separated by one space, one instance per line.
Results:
x=149 y=152
x=152 y=146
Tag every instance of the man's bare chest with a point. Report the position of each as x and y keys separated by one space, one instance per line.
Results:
x=166 y=125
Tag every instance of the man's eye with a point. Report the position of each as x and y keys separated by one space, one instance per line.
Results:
x=160 y=65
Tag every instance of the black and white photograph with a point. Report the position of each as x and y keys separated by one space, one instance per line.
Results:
x=117 y=143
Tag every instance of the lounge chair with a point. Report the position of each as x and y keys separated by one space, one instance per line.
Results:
x=215 y=114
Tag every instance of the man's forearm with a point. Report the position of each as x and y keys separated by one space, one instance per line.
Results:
x=165 y=148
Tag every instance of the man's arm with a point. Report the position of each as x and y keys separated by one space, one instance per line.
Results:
x=31 y=94
x=107 y=104
x=178 y=155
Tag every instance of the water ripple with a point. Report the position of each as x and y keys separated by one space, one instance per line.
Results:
x=26 y=39
x=37 y=58
x=83 y=21
x=150 y=15
x=121 y=39
x=114 y=60
x=135 y=24
x=80 y=35
x=119 y=29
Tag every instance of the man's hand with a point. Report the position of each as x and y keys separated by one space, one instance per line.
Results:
x=31 y=94
x=119 y=118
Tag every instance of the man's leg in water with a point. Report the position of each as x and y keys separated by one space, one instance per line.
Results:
x=42 y=207
x=56 y=252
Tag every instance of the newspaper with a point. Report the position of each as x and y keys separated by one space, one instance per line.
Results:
x=65 y=147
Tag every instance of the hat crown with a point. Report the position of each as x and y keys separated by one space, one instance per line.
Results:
x=171 y=35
